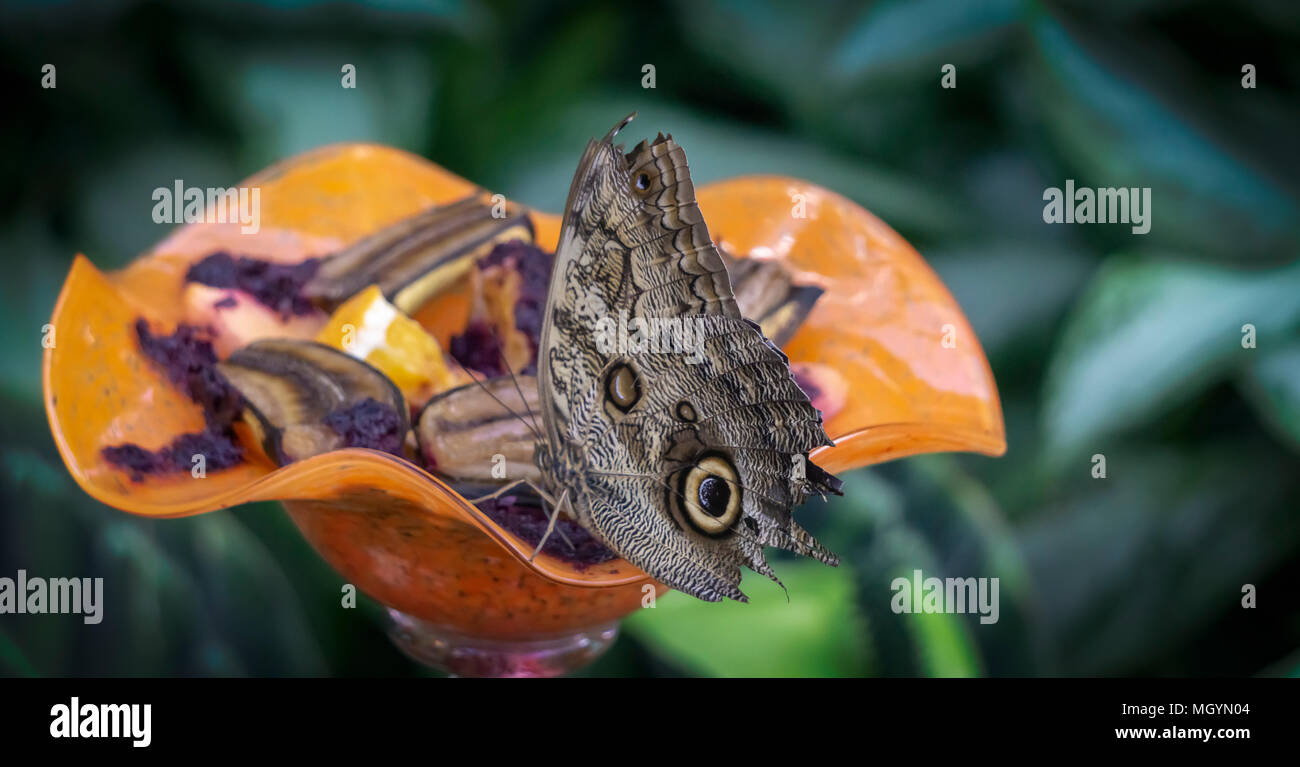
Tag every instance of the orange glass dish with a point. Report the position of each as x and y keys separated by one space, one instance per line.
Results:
x=397 y=532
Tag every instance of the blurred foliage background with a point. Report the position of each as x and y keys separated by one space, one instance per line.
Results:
x=1101 y=341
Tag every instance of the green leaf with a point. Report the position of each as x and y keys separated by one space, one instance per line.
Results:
x=1132 y=566
x=244 y=584
x=1113 y=129
x=1012 y=292
x=153 y=605
x=202 y=596
x=1150 y=333
x=45 y=516
x=775 y=46
x=814 y=634
x=933 y=517
x=34 y=270
x=541 y=164
x=1273 y=384
x=12 y=660
x=391 y=103
x=117 y=205
x=898 y=37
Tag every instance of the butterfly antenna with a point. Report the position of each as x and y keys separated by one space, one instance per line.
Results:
x=527 y=409
x=508 y=409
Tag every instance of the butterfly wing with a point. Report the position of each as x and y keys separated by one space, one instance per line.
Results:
x=673 y=424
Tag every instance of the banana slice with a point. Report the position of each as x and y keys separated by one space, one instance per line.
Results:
x=468 y=437
x=766 y=294
x=305 y=398
x=416 y=258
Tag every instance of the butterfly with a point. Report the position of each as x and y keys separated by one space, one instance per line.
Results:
x=687 y=462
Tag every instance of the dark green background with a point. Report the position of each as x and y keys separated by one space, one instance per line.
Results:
x=1101 y=341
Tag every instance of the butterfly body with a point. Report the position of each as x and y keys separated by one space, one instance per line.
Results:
x=670 y=424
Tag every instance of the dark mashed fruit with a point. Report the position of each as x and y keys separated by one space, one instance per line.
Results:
x=369 y=423
x=219 y=451
x=275 y=286
x=190 y=363
x=478 y=347
x=528 y=521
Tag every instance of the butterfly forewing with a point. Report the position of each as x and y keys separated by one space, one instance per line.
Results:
x=673 y=424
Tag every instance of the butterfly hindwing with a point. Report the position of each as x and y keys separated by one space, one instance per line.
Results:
x=674 y=425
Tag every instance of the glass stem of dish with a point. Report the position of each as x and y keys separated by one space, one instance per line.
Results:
x=461 y=655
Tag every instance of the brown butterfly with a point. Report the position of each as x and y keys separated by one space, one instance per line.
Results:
x=671 y=428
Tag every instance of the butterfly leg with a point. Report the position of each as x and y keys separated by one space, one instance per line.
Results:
x=507 y=488
x=504 y=489
x=550 y=526
x=547 y=500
